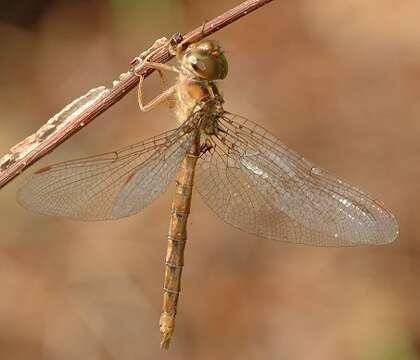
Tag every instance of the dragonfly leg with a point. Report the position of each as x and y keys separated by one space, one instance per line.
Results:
x=164 y=96
x=169 y=101
x=158 y=66
x=162 y=83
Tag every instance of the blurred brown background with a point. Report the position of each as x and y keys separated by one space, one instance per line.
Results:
x=336 y=80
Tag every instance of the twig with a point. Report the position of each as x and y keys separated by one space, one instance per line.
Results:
x=62 y=126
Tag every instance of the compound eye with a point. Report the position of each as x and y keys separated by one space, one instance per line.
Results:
x=207 y=60
x=193 y=60
x=196 y=63
x=201 y=66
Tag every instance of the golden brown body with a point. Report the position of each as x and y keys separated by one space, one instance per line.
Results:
x=201 y=64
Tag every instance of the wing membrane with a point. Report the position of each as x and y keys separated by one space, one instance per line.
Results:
x=108 y=186
x=254 y=182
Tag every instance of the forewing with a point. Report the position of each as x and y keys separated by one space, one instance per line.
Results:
x=254 y=182
x=108 y=186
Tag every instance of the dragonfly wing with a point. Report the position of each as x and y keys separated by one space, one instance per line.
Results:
x=151 y=179
x=107 y=186
x=254 y=182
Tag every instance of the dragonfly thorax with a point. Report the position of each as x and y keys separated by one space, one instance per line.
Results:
x=198 y=95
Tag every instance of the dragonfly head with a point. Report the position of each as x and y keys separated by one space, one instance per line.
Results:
x=206 y=60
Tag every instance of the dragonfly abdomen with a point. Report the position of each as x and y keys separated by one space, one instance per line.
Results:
x=171 y=287
x=176 y=242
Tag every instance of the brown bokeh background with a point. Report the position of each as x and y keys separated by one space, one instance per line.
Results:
x=338 y=81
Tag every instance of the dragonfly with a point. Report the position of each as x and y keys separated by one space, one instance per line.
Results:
x=248 y=177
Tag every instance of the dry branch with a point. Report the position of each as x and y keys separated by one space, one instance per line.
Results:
x=60 y=127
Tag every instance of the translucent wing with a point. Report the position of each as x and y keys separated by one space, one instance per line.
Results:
x=254 y=182
x=107 y=186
